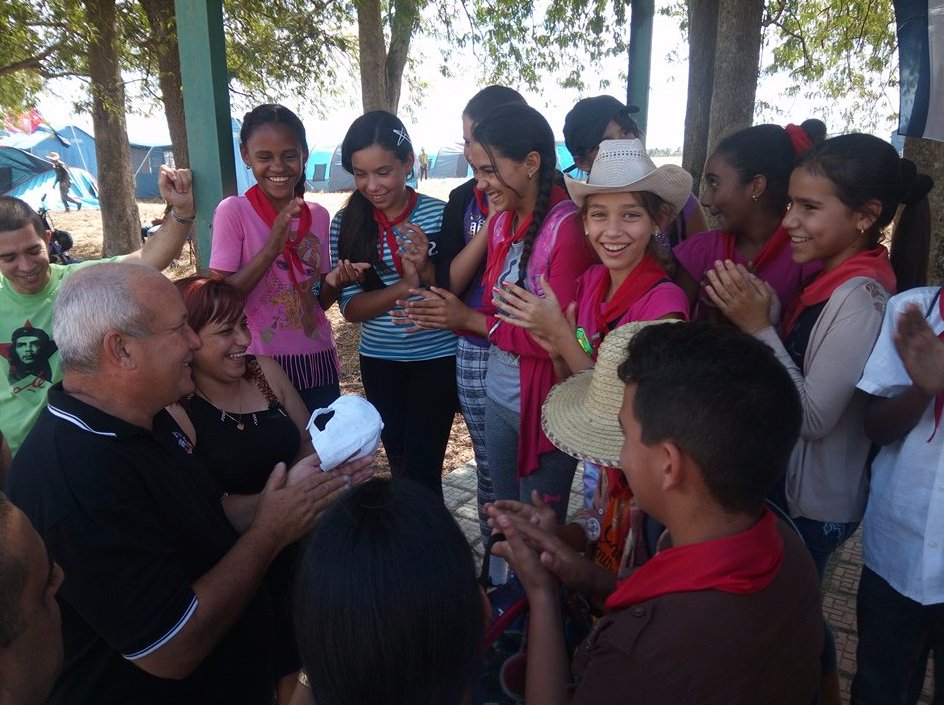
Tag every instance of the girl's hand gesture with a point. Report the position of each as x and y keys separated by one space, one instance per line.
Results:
x=436 y=308
x=742 y=297
x=282 y=227
x=542 y=317
x=347 y=272
x=921 y=352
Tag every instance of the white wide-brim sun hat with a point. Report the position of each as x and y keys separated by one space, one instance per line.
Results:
x=581 y=414
x=623 y=166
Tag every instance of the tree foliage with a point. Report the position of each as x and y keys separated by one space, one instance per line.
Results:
x=843 y=54
x=525 y=42
x=38 y=43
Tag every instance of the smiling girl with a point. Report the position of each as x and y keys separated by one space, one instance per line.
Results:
x=843 y=194
x=410 y=378
x=746 y=191
x=273 y=246
x=535 y=237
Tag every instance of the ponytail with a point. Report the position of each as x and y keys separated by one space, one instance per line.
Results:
x=911 y=241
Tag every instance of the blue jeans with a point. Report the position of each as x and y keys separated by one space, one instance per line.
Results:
x=896 y=634
x=555 y=471
x=822 y=538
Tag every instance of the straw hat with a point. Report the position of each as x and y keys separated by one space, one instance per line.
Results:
x=53 y=156
x=581 y=414
x=623 y=165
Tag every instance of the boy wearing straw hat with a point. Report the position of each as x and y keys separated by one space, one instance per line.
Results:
x=702 y=421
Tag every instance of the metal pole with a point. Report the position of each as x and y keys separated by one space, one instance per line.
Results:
x=205 y=81
x=640 y=58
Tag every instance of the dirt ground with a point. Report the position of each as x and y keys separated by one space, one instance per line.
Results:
x=85 y=227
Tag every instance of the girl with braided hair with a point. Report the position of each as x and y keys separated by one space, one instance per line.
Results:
x=535 y=237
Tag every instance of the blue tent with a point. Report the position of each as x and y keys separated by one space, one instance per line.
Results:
x=75 y=146
x=318 y=168
x=32 y=179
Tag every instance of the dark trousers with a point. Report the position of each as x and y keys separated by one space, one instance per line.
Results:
x=896 y=634
x=417 y=402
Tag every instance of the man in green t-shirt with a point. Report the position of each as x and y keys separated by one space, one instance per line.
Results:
x=29 y=359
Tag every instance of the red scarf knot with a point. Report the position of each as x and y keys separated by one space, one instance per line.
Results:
x=386 y=232
x=264 y=209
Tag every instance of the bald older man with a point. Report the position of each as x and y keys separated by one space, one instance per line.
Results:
x=164 y=601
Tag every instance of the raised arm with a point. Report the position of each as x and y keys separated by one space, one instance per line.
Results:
x=163 y=246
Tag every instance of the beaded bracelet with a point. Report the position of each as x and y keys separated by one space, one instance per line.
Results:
x=181 y=219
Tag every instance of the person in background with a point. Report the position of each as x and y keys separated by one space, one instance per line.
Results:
x=463 y=245
x=424 y=164
x=30 y=285
x=273 y=246
x=30 y=621
x=603 y=117
x=410 y=378
x=63 y=181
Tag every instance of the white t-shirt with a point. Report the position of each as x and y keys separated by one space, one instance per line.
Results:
x=903 y=535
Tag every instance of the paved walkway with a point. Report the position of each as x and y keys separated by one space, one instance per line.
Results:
x=839 y=591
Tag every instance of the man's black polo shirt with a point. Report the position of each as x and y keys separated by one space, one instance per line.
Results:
x=134 y=521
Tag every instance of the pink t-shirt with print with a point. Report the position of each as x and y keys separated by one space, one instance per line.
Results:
x=286 y=323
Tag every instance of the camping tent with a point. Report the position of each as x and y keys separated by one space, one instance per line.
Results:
x=75 y=146
x=338 y=178
x=318 y=167
x=450 y=163
x=32 y=179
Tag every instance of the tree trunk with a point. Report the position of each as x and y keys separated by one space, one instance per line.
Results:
x=736 y=66
x=121 y=222
x=160 y=14
x=702 y=40
x=928 y=155
x=406 y=16
x=373 y=55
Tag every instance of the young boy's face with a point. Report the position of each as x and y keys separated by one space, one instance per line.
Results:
x=637 y=459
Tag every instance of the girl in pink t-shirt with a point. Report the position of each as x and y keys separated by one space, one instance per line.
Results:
x=746 y=191
x=273 y=245
x=622 y=205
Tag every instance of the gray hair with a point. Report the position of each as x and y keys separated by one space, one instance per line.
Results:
x=12 y=581
x=92 y=302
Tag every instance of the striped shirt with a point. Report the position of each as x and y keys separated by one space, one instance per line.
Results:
x=380 y=336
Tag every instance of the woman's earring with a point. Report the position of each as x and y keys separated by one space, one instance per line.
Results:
x=530 y=175
x=247 y=166
x=755 y=198
x=861 y=232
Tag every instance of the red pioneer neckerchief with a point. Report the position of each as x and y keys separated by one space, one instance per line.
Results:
x=386 y=229
x=740 y=564
x=637 y=284
x=264 y=209
x=872 y=263
x=768 y=253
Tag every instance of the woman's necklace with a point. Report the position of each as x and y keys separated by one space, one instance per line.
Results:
x=238 y=420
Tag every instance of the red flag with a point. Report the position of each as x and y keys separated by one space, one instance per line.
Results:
x=26 y=122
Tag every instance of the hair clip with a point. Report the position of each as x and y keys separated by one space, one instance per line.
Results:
x=401 y=134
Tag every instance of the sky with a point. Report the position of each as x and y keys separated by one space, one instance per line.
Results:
x=436 y=119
